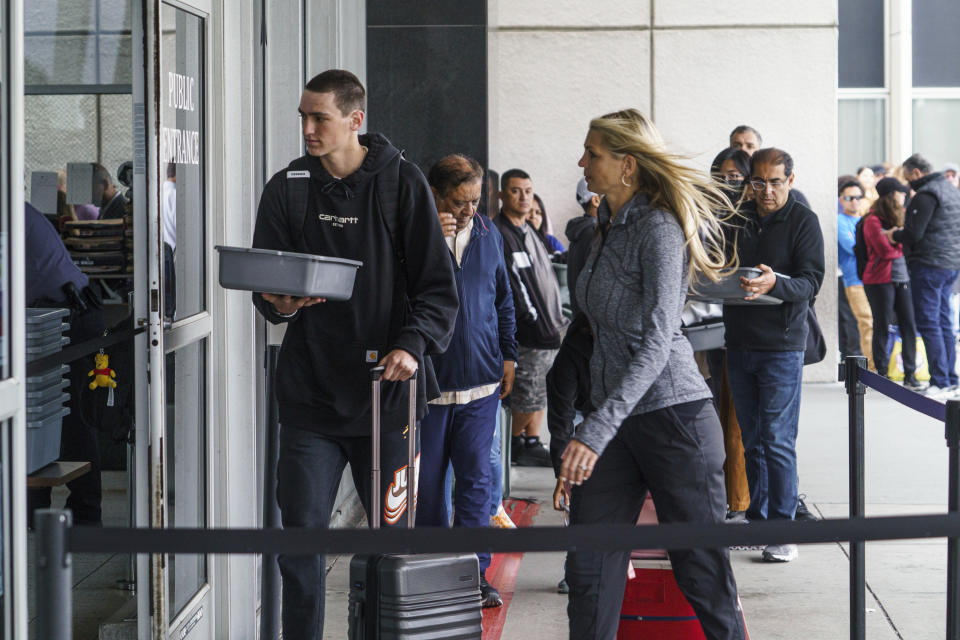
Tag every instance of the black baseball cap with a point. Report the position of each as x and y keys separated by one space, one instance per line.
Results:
x=889 y=185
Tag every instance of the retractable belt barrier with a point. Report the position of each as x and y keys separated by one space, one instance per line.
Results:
x=57 y=540
x=853 y=371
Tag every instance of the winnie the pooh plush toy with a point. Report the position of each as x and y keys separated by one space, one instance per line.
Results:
x=102 y=373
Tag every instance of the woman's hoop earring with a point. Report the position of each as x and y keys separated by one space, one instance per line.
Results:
x=624 y=182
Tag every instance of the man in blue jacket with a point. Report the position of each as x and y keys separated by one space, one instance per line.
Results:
x=478 y=367
x=850 y=194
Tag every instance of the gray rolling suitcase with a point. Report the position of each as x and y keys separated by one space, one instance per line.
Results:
x=409 y=597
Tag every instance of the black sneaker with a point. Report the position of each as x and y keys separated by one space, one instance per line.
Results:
x=910 y=382
x=489 y=596
x=516 y=447
x=802 y=512
x=533 y=454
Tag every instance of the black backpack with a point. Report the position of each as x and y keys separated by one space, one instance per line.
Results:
x=860 y=249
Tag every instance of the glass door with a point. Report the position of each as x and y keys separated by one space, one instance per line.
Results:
x=179 y=321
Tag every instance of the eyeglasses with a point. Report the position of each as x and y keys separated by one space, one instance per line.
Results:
x=761 y=185
x=733 y=181
x=851 y=198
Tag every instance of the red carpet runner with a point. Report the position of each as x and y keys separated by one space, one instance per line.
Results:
x=504 y=567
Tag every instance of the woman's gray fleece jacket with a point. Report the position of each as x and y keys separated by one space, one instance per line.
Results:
x=632 y=290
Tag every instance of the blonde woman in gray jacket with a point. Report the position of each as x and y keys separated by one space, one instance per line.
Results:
x=654 y=428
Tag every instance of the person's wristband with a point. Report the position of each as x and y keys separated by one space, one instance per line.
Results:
x=284 y=315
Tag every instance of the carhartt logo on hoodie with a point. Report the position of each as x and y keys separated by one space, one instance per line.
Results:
x=336 y=221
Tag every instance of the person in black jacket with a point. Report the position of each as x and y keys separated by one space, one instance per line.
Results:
x=765 y=344
x=932 y=248
x=403 y=309
x=540 y=320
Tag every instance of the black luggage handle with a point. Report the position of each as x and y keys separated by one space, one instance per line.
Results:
x=374 y=516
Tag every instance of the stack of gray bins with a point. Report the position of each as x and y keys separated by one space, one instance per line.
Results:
x=47 y=391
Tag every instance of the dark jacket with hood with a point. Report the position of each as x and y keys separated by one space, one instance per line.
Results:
x=580 y=237
x=790 y=242
x=931 y=222
x=484 y=335
x=323 y=381
x=536 y=293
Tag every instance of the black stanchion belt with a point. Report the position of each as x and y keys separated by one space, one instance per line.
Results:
x=79 y=350
x=594 y=537
x=911 y=399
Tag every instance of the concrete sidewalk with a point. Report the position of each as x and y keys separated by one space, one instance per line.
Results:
x=906 y=472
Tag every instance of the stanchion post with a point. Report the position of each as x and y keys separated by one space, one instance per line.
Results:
x=858 y=595
x=54 y=575
x=952 y=429
x=270 y=598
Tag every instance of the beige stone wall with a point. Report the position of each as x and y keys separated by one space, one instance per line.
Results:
x=699 y=68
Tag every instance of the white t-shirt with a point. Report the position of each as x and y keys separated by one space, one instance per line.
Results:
x=168 y=201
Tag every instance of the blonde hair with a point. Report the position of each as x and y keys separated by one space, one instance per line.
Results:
x=699 y=205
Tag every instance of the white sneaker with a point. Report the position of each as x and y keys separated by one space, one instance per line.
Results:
x=935 y=392
x=780 y=553
x=501 y=520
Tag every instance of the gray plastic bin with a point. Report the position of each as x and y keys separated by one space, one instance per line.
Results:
x=288 y=273
x=39 y=319
x=705 y=337
x=728 y=287
x=51 y=341
x=47 y=334
x=40 y=411
x=35 y=353
x=43 y=440
x=47 y=377
x=42 y=395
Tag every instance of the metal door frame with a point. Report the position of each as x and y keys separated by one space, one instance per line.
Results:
x=158 y=340
x=13 y=389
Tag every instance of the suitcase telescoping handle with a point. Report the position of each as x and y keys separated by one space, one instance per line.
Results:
x=374 y=516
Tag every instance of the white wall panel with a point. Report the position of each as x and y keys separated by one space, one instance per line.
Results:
x=789 y=97
x=595 y=13
x=544 y=89
x=752 y=12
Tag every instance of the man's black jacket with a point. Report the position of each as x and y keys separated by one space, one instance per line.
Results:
x=790 y=242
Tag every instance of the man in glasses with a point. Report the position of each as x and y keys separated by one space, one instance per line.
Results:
x=765 y=343
x=850 y=195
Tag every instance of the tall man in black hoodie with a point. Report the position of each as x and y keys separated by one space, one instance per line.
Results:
x=364 y=202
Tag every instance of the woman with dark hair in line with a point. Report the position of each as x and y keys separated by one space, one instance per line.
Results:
x=654 y=427
x=886 y=282
x=731 y=167
x=537 y=218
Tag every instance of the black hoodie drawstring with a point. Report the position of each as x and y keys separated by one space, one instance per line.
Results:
x=330 y=186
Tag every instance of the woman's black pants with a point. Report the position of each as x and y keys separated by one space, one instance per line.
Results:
x=677 y=454
x=892 y=303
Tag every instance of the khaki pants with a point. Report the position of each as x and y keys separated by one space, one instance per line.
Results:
x=734 y=467
x=861 y=311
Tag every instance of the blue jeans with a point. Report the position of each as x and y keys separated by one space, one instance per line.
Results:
x=931 y=305
x=458 y=434
x=766 y=394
